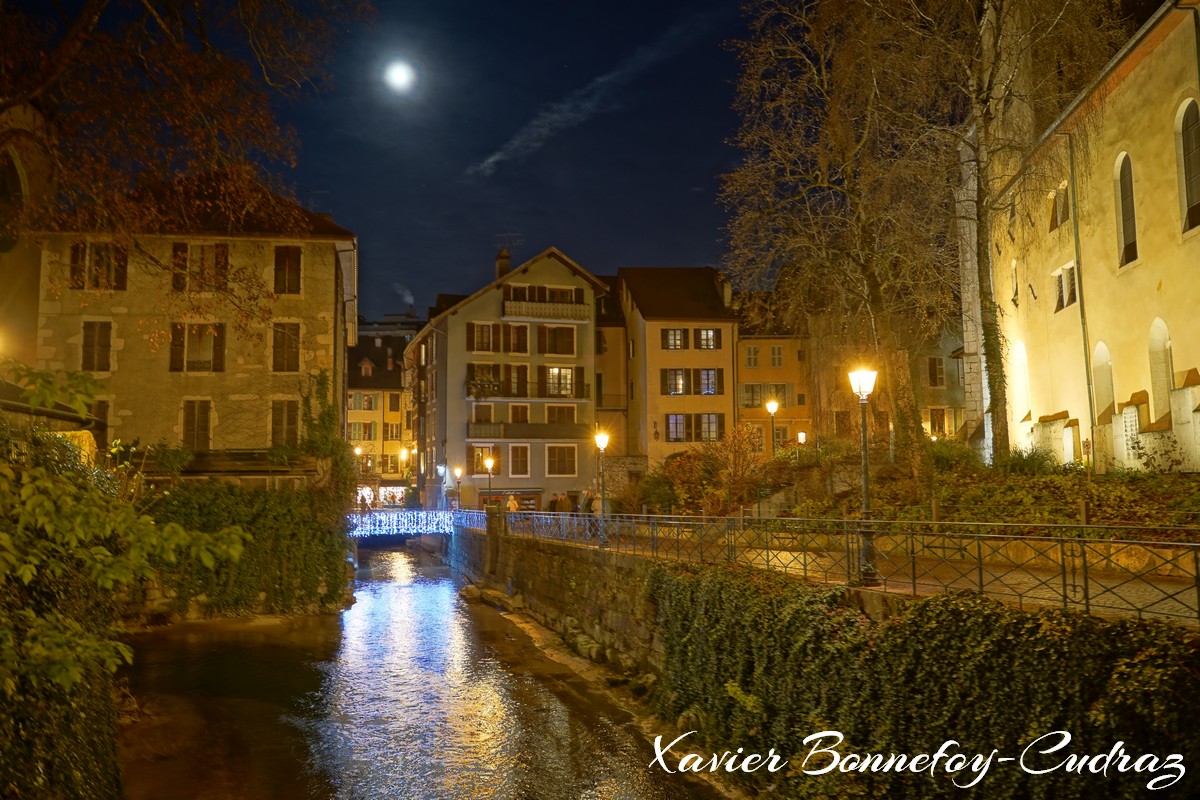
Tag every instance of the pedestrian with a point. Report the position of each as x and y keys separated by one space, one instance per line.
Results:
x=512 y=504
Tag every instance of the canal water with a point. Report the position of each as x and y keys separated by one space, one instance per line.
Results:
x=410 y=693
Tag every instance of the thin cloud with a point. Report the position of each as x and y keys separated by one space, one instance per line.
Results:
x=595 y=98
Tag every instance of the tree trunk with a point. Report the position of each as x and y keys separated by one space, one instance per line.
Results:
x=993 y=356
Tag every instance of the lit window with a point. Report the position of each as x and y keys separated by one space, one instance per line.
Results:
x=197 y=347
x=708 y=339
x=674 y=339
x=1125 y=209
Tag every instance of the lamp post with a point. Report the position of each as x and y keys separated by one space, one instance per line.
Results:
x=861 y=383
x=489 y=462
x=458 y=486
x=601 y=443
x=772 y=407
x=404 y=462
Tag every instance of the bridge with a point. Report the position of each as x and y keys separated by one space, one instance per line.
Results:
x=400 y=522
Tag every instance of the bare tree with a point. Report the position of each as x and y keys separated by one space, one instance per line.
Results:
x=842 y=206
x=156 y=116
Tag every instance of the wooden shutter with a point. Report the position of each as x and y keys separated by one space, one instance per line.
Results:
x=542 y=381
x=88 y=361
x=177 y=337
x=664 y=387
x=717 y=338
x=78 y=264
x=470 y=337
x=120 y=258
x=103 y=346
x=720 y=381
x=695 y=337
x=683 y=338
x=542 y=335
x=523 y=381
x=697 y=385
x=522 y=339
x=665 y=339
x=721 y=427
x=495 y=337
x=505 y=335
x=578 y=295
x=689 y=427
x=507 y=291
x=278 y=414
x=179 y=266
x=218 y=358
x=221 y=267
x=580 y=389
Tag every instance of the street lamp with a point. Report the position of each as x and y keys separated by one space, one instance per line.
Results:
x=489 y=462
x=404 y=462
x=772 y=407
x=601 y=443
x=861 y=383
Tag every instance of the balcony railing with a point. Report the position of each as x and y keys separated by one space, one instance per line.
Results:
x=528 y=430
x=524 y=309
x=548 y=390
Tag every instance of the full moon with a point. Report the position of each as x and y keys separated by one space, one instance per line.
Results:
x=400 y=76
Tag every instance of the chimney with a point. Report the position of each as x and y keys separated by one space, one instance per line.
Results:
x=503 y=260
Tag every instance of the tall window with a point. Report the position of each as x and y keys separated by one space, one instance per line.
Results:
x=937 y=421
x=709 y=430
x=752 y=395
x=393 y=402
x=776 y=355
x=708 y=381
x=556 y=339
x=1060 y=206
x=480 y=338
x=560 y=459
x=676 y=431
x=518 y=461
x=674 y=381
x=285 y=423
x=674 y=338
x=479 y=454
x=287 y=269
x=937 y=371
x=1125 y=208
x=99 y=266
x=196 y=425
x=560 y=414
x=198 y=347
x=369 y=401
x=392 y=431
x=199 y=267
x=560 y=381
x=1190 y=149
x=285 y=347
x=516 y=338
x=751 y=355
x=97 y=344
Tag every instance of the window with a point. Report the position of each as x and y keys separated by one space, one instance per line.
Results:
x=560 y=414
x=778 y=392
x=758 y=438
x=776 y=355
x=285 y=347
x=937 y=371
x=801 y=399
x=196 y=419
x=556 y=340
x=366 y=368
x=674 y=339
x=801 y=355
x=285 y=423
x=560 y=381
x=394 y=402
x=561 y=294
x=1060 y=207
x=97 y=345
x=751 y=355
x=708 y=427
x=197 y=347
x=560 y=459
x=483 y=380
x=516 y=338
x=673 y=381
x=99 y=266
x=478 y=455
x=518 y=461
x=937 y=421
x=518 y=412
x=1125 y=211
x=708 y=381
x=287 y=269
x=199 y=267
x=392 y=431
x=1016 y=289
x=362 y=431
x=391 y=463
x=480 y=338
x=708 y=339
x=781 y=437
x=356 y=401
x=1190 y=149
x=1064 y=284
x=752 y=395
x=482 y=412
x=676 y=428
x=368 y=401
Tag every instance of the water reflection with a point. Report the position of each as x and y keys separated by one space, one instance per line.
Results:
x=424 y=697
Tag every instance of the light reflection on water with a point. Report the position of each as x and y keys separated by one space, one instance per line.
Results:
x=415 y=703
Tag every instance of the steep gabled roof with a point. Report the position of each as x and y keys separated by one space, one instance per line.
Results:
x=683 y=293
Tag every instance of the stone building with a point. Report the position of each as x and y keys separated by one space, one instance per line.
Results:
x=177 y=363
x=1095 y=249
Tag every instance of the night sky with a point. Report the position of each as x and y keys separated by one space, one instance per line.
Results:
x=600 y=129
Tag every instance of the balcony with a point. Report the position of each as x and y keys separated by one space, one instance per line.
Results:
x=486 y=389
x=526 y=431
x=567 y=312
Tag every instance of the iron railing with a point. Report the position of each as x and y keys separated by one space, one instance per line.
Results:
x=1091 y=568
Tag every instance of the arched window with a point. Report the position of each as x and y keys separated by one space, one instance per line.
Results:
x=1189 y=148
x=1126 y=216
x=1162 y=372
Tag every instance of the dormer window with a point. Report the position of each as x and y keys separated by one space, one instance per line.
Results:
x=367 y=368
